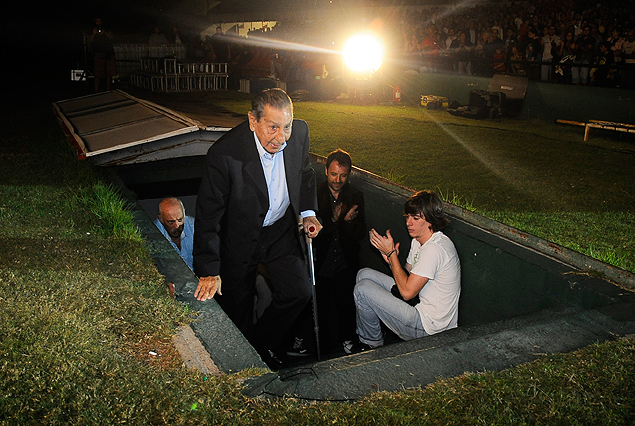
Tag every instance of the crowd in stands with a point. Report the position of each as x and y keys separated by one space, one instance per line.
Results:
x=561 y=41
x=553 y=41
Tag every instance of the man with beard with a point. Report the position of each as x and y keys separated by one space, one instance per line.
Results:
x=341 y=210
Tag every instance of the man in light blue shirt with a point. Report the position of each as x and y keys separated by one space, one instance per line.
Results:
x=176 y=227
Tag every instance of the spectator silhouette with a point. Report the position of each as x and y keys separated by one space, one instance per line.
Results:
x=105 y=66
x=157 y=37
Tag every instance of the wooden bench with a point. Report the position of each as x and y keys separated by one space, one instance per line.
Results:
x=600 y=124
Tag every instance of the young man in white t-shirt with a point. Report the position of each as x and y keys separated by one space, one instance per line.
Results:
x=432 y=274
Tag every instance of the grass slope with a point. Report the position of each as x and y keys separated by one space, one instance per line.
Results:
x=83 y=305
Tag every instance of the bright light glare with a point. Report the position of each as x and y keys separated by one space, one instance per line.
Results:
x=363 y=53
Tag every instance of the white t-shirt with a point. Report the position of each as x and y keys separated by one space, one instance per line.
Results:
x=550 y=46
x=438 y=261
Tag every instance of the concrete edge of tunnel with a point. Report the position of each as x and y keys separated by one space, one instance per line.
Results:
x=228 y=351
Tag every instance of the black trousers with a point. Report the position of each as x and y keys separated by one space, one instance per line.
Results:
x=336 y=308
x=280 y=254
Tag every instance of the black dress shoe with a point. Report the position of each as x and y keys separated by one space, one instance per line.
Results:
x=274 y=360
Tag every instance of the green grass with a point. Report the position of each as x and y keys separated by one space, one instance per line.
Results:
x=83 y=305
x=109 y=210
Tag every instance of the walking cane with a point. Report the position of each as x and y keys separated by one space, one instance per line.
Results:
x=316 y=326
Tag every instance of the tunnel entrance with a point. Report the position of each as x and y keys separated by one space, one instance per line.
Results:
x=521 y=296
x=516 y=300
x=500 y=279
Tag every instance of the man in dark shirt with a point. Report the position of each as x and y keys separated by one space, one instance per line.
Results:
x=220 y=46
x=584 y=55
x=603 y=73
x=341 y=209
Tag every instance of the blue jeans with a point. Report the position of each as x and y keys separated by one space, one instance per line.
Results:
x=376 y=304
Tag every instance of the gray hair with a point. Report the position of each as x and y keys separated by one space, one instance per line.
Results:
x=275 y=97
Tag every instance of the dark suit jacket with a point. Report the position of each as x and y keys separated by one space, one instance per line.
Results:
x=350 y=233
x=233 y=199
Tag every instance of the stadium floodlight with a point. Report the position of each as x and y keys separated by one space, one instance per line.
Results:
x=363 y=53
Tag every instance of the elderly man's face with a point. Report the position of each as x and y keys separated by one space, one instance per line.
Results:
x=173 y=219
x=274 y=127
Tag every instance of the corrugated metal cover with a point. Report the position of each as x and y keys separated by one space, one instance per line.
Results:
x=111 y=121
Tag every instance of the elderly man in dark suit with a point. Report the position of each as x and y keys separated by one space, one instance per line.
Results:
x=258 y=181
